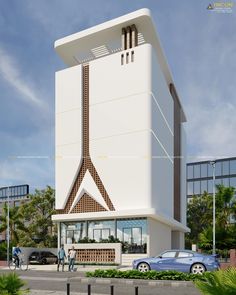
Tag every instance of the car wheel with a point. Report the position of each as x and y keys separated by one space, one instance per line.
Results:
x=44 y=261
x=197 y=268
x=143 y=267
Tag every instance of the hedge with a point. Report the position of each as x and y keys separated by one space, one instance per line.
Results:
x=149 y=275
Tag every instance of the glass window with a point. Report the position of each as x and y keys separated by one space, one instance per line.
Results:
x=204 y=170
x=197 y=171
x=225 y=167
x=233 y=181
x=233 y=167
x=168 y=254
x=101 y=234
x=203 y=186
x=127 y=236
x=210 y=187
x=101 y=229
x=190 y=188
x=70 y=237
x=63 y=234
x=72 y=232
x=184 y=254
x=197 y=188
x=218 y=181
x=225 y=182
x=133 y=232
x=218 y=171
x=189 y=171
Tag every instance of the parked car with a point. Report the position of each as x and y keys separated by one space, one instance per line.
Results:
x=42 y=257
x=179 y=260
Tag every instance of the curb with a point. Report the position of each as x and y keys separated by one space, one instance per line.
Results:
x=132 y=282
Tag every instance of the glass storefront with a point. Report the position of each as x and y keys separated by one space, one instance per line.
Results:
x=132 y=233
x=101 y=229
x=72 y=232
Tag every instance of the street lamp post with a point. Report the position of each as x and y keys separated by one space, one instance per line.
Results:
x=213 y=164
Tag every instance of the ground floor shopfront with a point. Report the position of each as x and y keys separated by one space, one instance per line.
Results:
x=138 y=235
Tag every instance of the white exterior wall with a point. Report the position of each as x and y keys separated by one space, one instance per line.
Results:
x=177 y=240
x=183 y=177
x=68 y=130
x=159 y=237
x=120 y=104
x=162 y=141
x=131 y=130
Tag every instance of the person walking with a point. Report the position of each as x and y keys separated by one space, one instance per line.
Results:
x=71 y=257
x=61 y=258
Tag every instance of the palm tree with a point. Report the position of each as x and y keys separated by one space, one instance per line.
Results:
x=15 y=222
x=225 y=231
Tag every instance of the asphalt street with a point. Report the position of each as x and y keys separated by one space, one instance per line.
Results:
x=52 y=282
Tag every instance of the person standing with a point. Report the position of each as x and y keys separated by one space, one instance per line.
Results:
x=16 y=253
x=71 y=257
x=61 y=258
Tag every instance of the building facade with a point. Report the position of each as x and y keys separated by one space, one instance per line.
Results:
x=120 y=140
x=200 y=175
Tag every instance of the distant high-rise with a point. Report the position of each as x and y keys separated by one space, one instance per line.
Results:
x=200 y=175
x=120 y=141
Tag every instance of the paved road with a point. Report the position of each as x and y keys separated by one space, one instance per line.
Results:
x=45 y=283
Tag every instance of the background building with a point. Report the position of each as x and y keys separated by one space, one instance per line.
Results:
x=17 y=194
x=200 y=175
x=120 y=140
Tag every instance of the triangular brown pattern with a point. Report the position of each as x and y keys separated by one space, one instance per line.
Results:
x=86 y=163
x=88 y=204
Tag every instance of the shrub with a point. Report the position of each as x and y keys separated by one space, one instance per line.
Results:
x=11 y=284
x=3 y=251
x=218 y=283
x=149 y=275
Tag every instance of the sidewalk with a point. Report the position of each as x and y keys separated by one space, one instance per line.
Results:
x=78 y=268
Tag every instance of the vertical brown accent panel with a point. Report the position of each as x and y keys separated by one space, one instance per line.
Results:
x=128 y=38
x=177 y=154
x=123 y=39
x=134 y=36
x=86 y=203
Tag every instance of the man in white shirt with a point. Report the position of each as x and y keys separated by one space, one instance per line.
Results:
x=71 y=257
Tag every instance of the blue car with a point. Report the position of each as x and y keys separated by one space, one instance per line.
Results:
x=179 y=260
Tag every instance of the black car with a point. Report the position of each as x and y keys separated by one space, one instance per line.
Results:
x=42 y=257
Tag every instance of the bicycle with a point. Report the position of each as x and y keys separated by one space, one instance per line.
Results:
x=22 y=264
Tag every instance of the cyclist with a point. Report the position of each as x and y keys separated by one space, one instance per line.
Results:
x=16 y=253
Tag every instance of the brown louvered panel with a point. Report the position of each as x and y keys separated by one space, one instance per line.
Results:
x=86 y=163
x=96 y=255
x=87 y=204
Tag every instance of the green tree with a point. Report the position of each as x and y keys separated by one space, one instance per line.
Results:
x=15 y=222
x=200 y=219
x=37 y=214
x=199 y=214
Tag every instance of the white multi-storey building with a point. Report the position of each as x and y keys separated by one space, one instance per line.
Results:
x=120 y=165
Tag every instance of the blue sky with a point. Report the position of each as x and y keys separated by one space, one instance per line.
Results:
x=200 y=46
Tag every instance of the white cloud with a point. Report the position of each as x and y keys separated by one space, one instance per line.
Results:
x=11 y=72
x=36 y=172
